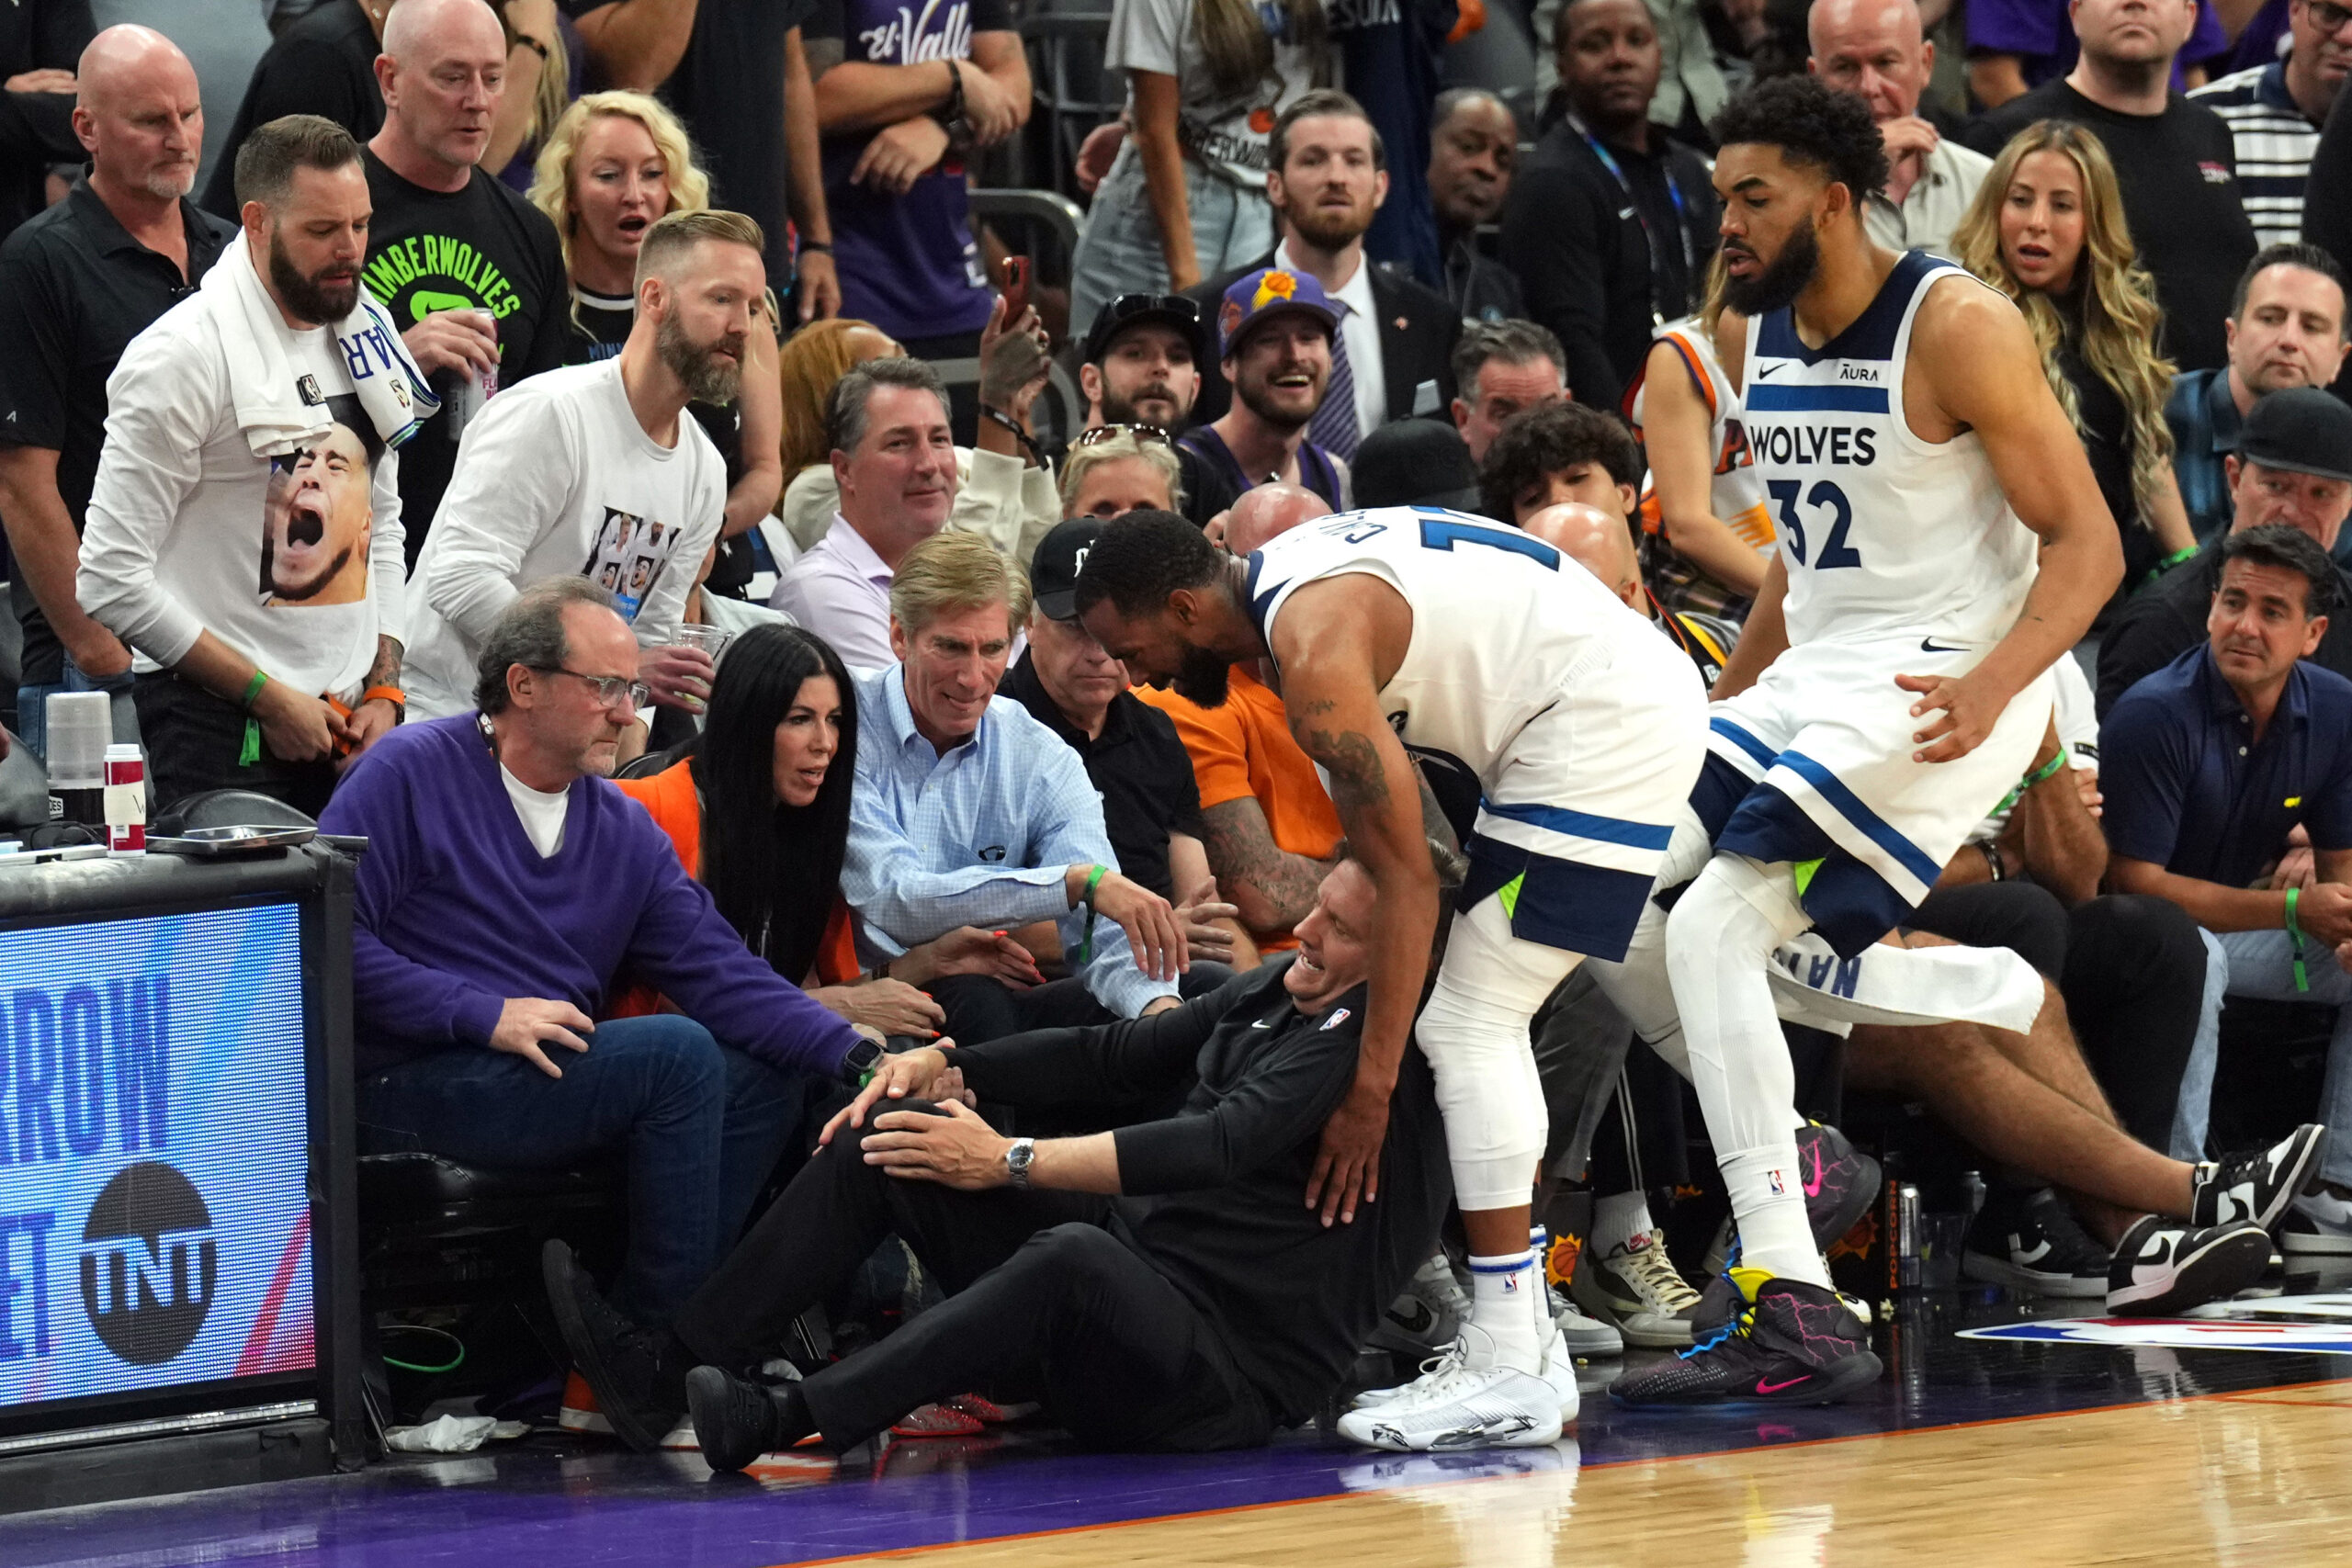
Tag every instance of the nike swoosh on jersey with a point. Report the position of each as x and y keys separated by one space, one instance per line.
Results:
x=1928 y=645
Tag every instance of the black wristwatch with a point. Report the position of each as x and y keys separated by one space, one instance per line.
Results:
x=857 y=1066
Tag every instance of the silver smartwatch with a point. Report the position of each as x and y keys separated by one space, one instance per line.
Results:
x=1017 y=1156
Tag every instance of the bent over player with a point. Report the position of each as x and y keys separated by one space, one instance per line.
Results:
x=1419 y=628
x=1890 y=684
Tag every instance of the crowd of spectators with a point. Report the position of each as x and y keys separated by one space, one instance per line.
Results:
x=420 y=411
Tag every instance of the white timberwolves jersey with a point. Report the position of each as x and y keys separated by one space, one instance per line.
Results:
x=1885 y=534
x=1501 y=623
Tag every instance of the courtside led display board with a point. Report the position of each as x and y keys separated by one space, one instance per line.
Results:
x=155 y=1225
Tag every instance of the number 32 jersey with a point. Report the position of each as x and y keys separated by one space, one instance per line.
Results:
x=1505 y=629
x=1885 y=534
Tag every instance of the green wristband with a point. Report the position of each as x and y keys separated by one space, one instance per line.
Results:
x=252 y=689
x=2031 y=780
x=1086 y=945
x=2295 y=931
x=2169 y=562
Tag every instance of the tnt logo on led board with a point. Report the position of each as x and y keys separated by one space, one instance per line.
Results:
x=154 y=1201
x=149 y=1264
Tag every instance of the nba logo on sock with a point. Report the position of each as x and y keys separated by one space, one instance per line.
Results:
x=1510 y=1283
x=1779 y=1189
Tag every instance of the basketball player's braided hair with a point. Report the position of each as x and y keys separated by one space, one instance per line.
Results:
x=1811 y=123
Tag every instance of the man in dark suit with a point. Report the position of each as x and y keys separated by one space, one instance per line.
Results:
x=1609 y=224
x=1327 y=175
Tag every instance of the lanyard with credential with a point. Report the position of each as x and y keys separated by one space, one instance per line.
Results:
x=1681 y=220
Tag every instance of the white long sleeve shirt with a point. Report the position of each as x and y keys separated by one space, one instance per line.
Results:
x=183 y=512
x=556 y=478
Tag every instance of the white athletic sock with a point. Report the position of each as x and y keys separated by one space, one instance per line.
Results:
x=1767 y=1188
x=1618 y=1220
x=1500 y=1304
x=1539 y=1241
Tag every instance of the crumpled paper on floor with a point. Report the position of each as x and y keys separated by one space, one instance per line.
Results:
x=450 y=1435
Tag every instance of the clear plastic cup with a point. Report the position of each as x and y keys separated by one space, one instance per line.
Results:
x=710 y=639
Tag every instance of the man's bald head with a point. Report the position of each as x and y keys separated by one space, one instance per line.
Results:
x=127 y=57
x=1268 y=512
x=442 y=70
x=137 y=113
x=417 y=29
x=1877 y=49
x=1601 y=544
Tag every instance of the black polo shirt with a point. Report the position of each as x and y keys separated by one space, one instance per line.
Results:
x=2166 y=619
x=323 y=63
x=1137 y=765
x=2188 y=788
x=74 y=289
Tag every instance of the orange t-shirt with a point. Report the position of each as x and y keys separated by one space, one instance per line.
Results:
x=1244 y=750
x=671 y=799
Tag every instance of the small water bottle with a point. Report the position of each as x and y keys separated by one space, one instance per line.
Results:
x=126 y=800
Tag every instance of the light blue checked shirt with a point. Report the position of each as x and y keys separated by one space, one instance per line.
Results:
x=981 y=837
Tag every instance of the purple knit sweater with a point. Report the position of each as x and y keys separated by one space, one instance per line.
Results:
x=458 y=911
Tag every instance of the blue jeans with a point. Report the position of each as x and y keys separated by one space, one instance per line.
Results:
x=1119 y=252
x=699 y=1125
x=32 y=706
x=2261 y=964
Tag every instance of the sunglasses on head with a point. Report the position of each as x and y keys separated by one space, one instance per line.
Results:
x=1131 y=305
x=1102 y=433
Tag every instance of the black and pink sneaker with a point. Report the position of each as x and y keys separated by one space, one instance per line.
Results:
x=1790 y=1343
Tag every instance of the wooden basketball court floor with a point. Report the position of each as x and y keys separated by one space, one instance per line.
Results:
x=1969 y=1451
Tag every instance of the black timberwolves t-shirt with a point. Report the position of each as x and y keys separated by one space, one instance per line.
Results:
x=482 y=248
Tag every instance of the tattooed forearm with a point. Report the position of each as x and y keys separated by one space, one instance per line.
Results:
x=1273 y=887
x=1348 y=756
x=386 y=671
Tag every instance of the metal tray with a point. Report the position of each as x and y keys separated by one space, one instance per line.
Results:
x=214 y=843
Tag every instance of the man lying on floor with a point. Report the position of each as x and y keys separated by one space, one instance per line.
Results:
x=1215 y=1311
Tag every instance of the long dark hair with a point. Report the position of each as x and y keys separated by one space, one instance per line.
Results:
x=770 y=866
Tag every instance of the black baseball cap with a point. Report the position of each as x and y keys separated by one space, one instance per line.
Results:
x=1415 y=462
x=1053 y=571
x=1144 y=309
x=2302 y=430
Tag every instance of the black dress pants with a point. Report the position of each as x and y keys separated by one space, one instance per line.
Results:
x=980 y=1008
x=193 y=740
x=1043 y=1303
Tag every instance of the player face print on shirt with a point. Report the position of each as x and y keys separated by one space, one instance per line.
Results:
x=629 y=556
x=319 y=515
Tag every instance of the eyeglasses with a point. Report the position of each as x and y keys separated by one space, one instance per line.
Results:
x=1113 y=432
x=611 y=690
x=2329 y=17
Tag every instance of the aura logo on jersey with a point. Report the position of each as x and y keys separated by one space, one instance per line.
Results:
x=150 y=1263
